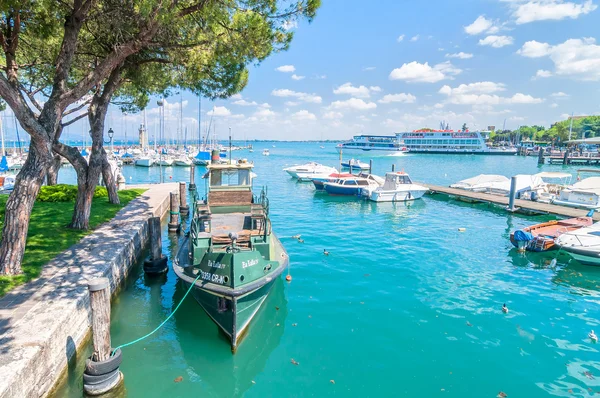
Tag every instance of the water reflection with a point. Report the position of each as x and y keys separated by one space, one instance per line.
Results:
x=207 y=352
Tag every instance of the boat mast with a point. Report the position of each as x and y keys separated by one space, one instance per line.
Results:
x=229 y=145
x=2 y=134
x=199 y=122
x=180 y=127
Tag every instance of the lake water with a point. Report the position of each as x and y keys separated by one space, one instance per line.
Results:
x=405 y=304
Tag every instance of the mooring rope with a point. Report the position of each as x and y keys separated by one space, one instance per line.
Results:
x=163 y=322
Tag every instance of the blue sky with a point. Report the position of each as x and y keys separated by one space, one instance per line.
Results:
x=379 y=67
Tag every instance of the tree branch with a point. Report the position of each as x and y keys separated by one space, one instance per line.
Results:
x=78 y=117
x=26 y=117
x=71 y=154
x=31 y=98
x=77 y=108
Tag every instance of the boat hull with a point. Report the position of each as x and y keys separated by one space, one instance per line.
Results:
x=585 y=257
x=396 y=196
x=144 y=162
x=232 y=309
x=180 y=163
x=336 y=189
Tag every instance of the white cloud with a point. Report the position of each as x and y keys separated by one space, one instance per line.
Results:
x=480 y=25
x=353 y=103
x=296 y=77
x=560 y=94
x=368 y=68
x=460 y=55
x=333 y=115
x=554 y=105
x=292 y=103
x=264 y=113
x=286 y=68
x=349 y=89
x=243 y=102
x=483 y=93
x=265 y=105
x=414 y=38
x=304 y=115
x=402 y=97
x=219 y=111
x=400 y=38
x=543 y=10
x=543 y=73
x=416 y=72
x=576 y=58
x=320 y=77
x=496 y=41
x=236 y=97
x=301 y=96
x=375 y=89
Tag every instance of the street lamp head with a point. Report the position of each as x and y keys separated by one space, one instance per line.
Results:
x=160 y=102
x=111 y=133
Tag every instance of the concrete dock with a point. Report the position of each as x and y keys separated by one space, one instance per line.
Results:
x=44 y=322
x=523 y=206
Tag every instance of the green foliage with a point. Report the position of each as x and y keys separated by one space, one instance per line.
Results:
x=49 y=236
x=65 y=193
x=558 y=133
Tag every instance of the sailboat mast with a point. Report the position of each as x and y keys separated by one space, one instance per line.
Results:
x=2 y=134
x=199 y=121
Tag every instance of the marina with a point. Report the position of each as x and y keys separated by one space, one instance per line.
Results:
x=449 y=280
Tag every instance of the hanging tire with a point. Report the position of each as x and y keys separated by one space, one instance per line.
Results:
x=104 y=386
x=93 y=368
x=92 y=380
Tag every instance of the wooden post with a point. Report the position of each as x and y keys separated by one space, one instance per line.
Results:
x=155 y=238
x=192 y=186
x=541 y=156
x=100 y=303
x=566 y=157
x=370 y=165
x=513 y=194
x=393 y=168
x=174 y=220
x=183 y=207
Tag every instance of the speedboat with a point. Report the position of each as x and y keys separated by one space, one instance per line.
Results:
x=305 y=172
x=480 y=182
x=353 y=185
x=556 y=182
x=183 y=161
x=144 y=161
x=541 y=237
x=355 y=164
x=265 y=152
x=319 y=180
x=584 y=194
x=398 y=187
x=527 y=187
x=231 y=257
x=582 y=244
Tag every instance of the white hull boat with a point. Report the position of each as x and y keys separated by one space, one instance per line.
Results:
x=582 y=244
x=144 y=162
x=397 y=187
x=166 y=161
x=306 y=172
x=183 y=162
x=584 y=194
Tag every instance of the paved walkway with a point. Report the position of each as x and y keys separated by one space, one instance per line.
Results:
x=44 y=321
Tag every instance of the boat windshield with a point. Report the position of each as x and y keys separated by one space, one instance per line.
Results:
x=230 y=177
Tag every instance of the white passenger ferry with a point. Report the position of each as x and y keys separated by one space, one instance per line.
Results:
x=427 y=141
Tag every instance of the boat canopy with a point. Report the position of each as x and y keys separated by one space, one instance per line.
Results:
x=553 y=174
x=480 y=181
x=3 y=164
x=230 y=176
x=591 y=184
x=525 y=182
x=392 y=180
x=203 y=155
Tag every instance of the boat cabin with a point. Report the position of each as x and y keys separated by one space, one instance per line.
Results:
x=392 y=180
x=353 y=182
x=229 y=185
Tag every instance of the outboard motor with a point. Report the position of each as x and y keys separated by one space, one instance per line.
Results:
x=522 y=239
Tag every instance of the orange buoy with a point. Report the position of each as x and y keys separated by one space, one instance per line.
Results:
x=288 y=278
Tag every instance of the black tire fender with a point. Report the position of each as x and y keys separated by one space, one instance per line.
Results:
x=92 y=380
x=93 y=368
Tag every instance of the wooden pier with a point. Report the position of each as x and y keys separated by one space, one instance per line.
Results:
x=573 y=158
x=523 y=206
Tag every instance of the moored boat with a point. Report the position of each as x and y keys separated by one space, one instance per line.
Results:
x=319 y=180
x=355 y=164
x=305 y=172
x=231 y=256
x=353 y=185
x=541 y=237
x=398 y=187
x=582 y=244
x=183 y=161
x=144 y=161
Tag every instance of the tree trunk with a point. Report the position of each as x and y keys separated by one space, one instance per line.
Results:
x=109 y=181
x=19 y=206
x=87 y=179
x=52 y=175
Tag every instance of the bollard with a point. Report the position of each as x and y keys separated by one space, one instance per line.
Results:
x=192 y=186
x=393 y=168
x=174 y=220
x=541 y=156
x=513 y=193
x=370 y=165
x=156 y=263
x=566 y=157
x=183 y=207
x=101 y=372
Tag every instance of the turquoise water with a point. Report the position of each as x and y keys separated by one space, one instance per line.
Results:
x=405 y=305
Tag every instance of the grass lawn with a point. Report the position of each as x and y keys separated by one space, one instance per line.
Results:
x=48 y=234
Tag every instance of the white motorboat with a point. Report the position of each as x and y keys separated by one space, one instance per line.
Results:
x=308 y=170
x=582 y=244
x=165 y=161
x=265 y=152
x=144 y=161
x=556 y=182
x=527 y=187
x=356 y=164
x=398 y=187
x=183 y=161
x=584 y=194
x=480 y=182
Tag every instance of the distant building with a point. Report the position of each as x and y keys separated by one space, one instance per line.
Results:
x=491 y=128
x=143 y=137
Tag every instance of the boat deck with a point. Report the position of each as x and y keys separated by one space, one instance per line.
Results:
x=523 y=206
x=242 y=224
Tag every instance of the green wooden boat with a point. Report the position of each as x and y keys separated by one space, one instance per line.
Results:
x=231 y=252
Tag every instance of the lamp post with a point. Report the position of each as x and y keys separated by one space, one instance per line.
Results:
x=111 y=134
x=161 y=113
